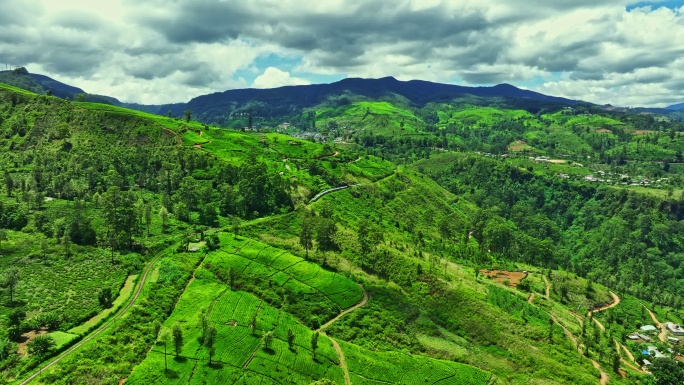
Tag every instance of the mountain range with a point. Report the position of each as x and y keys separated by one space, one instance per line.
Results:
x=215 y=108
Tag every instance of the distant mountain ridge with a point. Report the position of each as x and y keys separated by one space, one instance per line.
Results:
x=676 y=107
x=286 y=101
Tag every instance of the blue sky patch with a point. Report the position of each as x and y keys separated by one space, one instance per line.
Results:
x=672 y=4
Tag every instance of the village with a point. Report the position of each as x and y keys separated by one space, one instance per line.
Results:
x=651 y=342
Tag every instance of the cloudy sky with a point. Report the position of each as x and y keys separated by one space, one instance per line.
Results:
x=603 y=51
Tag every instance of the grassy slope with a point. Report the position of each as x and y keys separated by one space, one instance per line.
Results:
x=503 y=348
x=238 y=341
x=492 y=337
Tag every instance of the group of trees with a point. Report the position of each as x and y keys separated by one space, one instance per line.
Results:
x=626 y=240
x=321 y=228
x=126 y=157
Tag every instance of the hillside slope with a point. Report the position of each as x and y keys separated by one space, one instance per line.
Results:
x=455 y=267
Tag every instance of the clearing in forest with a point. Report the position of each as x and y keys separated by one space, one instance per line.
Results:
x=510 y=278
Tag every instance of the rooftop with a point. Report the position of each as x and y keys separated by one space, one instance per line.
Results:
x=649 y=328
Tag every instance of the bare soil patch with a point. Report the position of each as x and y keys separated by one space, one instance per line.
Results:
x=680 y=358
x=26 y=338
x=518 y=145
x=643 y=132
x=604 y=131
x=501 y=276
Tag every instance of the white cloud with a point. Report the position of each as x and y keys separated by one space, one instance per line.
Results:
x=166 y=51
x=273 y=77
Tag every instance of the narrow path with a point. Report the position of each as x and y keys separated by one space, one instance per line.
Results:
x=178 y=137
x=663 y=332
x=340 y=354
x=253 y=326
x=579 y=319
x=361 y=303
x=530 y=299
x=338 y=349
x=628 y=364
x=121 y=313
x=600 y=325
x=604 y=376
x=603 y=380
x=546 y=281
x=616 y=301
x=629 y=354
x=567 y=332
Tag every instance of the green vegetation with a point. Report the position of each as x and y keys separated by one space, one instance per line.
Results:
x=178 y=252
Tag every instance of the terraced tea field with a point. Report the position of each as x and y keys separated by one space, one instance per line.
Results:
x=316 y=294
x=366 y=367
x=240 y=356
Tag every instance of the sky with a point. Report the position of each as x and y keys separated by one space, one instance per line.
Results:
x=619 y=52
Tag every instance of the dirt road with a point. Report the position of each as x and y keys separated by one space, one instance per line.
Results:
x=616 y=301
x=361 y=303
x=338 y=349
x=663 y=332
x=548 y=287
x=102 y=328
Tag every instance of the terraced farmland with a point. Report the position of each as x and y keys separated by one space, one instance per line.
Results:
x=366 y=367
x=312 y=293
x=240 y=356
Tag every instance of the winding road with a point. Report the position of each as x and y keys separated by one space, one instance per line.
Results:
x=616 y=301
x=663 y=332
x=105 y=326
x=603 y=379
x=628 y=364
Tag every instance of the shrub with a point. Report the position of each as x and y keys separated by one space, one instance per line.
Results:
x=41 y=345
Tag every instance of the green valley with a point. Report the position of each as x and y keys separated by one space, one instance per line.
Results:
x=469 y=239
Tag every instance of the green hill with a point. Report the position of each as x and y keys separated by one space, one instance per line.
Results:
x=120 y=229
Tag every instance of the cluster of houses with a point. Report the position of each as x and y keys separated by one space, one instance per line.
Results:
x=621 y=179
x=651 y=351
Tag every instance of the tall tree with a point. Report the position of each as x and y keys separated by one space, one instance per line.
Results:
x=306 y=235
x=165 y=338
x=235 y=223
x=268 y=339
x=445 y=230
x=326 y=230
x=290 y=338
x=314 y=344
x=120 y=216
x=41 y=345
x=9 y=183
x=66 y=241
x=188 y=115
x=10 y=280
x=147 y=212
x=209 y=340
x=254 y=322
x=369 y=236
x=177 y=339
x=164 y=216
x=105 y=297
